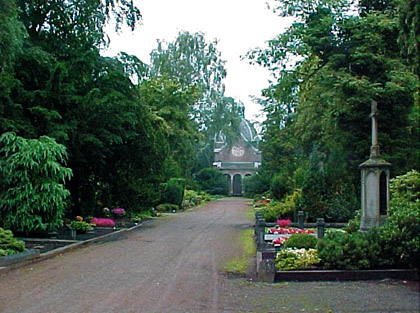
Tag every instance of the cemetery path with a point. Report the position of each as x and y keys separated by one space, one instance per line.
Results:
x=169 y=265
x=173 y=265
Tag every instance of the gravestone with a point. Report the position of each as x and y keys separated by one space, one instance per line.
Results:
x=375 y=174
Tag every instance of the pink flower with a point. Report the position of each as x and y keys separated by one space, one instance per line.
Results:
x=118 y=211
x=103 y=222
x=283 y=223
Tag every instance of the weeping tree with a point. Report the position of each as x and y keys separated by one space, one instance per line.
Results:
x=196 y=63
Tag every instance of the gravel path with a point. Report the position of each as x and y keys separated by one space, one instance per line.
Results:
x=174 y=265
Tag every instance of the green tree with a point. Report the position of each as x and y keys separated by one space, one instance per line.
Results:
x=194 y=62
x=342 y=61
x=33 y=177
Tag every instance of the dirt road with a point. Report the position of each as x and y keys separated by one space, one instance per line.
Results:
x=173 y=265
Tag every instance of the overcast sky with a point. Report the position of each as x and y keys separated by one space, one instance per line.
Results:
x=239 y=25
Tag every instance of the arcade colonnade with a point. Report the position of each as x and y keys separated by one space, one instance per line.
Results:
x=235 y=182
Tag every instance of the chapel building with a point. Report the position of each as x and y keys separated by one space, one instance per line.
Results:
x=240 y=159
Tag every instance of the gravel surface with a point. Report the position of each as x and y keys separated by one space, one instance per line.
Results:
x=174 y=265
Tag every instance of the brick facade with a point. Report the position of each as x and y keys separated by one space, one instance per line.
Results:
x=240 y=159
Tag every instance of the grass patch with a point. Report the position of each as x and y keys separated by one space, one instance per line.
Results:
x=240 y=264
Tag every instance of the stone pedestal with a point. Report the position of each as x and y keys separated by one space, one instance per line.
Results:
x=375 y=192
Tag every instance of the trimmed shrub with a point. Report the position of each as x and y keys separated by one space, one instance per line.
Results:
x=343 y=251
x=9 y=244
x=301 y=241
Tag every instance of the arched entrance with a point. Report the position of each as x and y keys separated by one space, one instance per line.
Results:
x=237 y=185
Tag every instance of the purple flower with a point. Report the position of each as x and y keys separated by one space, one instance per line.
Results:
x=118 y=211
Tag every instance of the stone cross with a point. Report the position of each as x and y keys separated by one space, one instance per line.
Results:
x=374 y=149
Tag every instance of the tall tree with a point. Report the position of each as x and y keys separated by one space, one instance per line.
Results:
x=342 y=61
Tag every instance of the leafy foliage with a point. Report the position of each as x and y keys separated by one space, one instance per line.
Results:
x=33 y=177
x=344 y=251
x=167 y=207
x=80 y=226
x=212 y=181
x=287 y=208
x=328 y=66
x=301 y=241
x=9 y=244
x=293 y=259
x=173 y=192
x=396 y=244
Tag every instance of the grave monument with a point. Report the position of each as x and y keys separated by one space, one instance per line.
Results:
x=375 y=174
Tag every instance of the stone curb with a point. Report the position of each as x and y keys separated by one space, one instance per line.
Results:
x=347 y=275
x=23 y=258
x=19 y=257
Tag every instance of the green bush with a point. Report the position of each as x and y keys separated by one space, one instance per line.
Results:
x=33 y=196
x=406 y=187
x=256 y=184
x=399 y=237
x=167 y=207
x=192 y=198
x=354 y=224
x=9 y=244
x=301 y=241
x=173 y=192
x=344 y=251
x=212 y=181
x=80 y=226
x=285 y=209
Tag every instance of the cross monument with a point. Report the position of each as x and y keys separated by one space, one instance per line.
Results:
x=375 y=174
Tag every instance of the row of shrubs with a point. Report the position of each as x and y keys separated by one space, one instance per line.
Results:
x=396 y=244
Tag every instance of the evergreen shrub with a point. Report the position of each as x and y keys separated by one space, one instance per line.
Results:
x=344 y=251
x=173 y=192
x=301 y=241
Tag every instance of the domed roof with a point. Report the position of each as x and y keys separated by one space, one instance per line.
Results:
x=247 y=131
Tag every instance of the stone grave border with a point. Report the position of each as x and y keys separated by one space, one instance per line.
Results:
x=10 y=262
x=266 y=270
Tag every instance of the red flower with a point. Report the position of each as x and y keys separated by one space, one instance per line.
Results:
x=283 y=223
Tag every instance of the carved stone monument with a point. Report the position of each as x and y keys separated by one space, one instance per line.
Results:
x=375 y=182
